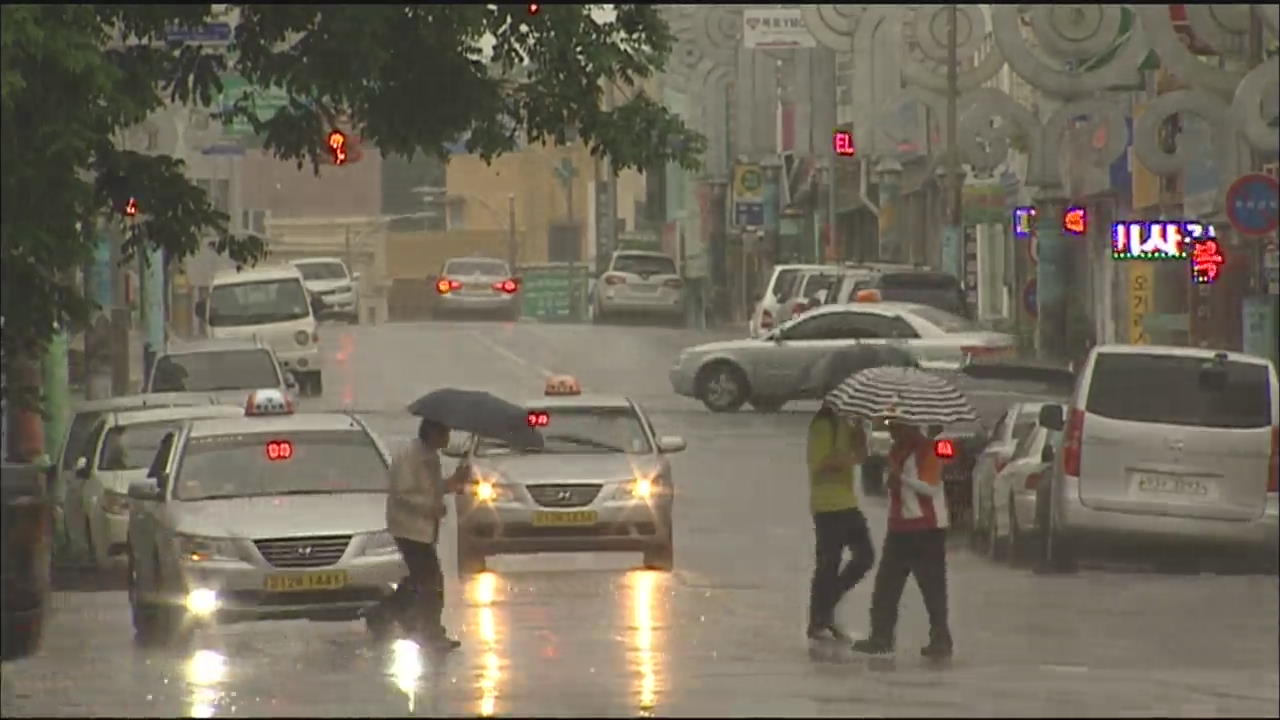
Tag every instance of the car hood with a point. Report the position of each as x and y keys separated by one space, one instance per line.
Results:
x=559 y=468
x=282 y=516
x=317 y=286
x=727 y=346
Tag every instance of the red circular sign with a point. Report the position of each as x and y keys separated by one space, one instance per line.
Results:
x=1251 y=204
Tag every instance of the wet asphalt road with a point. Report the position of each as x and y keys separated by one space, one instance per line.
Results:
x=579 y=635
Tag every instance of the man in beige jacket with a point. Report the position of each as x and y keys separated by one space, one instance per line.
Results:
x=415 y=510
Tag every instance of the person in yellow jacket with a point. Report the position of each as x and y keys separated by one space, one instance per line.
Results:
x=835 y=448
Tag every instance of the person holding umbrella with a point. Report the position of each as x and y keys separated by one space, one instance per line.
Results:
x=415 y=501
x=915 y=540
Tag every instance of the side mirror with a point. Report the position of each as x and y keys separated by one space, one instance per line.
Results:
x=82 y=467
x=1047 y=455
x=457 y=447
x=671 y=444
x=201 y=308
x=1051 y=417
x=355 y=277
x=145 y=491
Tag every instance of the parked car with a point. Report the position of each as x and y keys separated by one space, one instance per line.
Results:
x=1009 y=527
x=27 y=554
x=927 y=287
x=790 y=362
x=858 y=275
x=337 y=288
x=764 y=317
x=477 y=285
x=640 y=283
x=805 y=293
x=225 y=369
x=1166 y=447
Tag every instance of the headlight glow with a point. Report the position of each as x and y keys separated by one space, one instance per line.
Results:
x=487 y=491
x=202 y=602
x=380 y=543
x=642 y=488
x=193 y=548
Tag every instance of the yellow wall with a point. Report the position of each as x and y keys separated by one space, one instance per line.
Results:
x=417 y=256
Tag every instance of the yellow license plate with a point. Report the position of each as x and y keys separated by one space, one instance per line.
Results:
x=294 y=582
x=542 y=518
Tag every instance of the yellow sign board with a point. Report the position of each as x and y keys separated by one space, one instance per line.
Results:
x=1142 y=282
x=748 y=183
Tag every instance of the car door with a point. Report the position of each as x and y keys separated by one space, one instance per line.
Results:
x=1024 y=461
x=784 y=362
x=990 y=462
x=145 y=516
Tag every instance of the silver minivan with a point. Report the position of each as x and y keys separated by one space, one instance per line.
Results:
x=1166 y=446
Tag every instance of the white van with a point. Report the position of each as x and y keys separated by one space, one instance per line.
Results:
x=272 y=304
x=1167 y=446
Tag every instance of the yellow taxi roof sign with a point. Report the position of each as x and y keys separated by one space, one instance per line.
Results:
x=562 y=385
x=868 y=295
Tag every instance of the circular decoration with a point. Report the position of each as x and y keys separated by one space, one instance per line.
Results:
x=1224 y=28
x=723 y=29
x=1146 y=128
x=833 y=25
x=1255 y=106
x=989 y=120
x=1158 y=27
x=930 y=24
x=1103 y=122
x=1075 y=32
x=1252 y=205
x=1006 y=21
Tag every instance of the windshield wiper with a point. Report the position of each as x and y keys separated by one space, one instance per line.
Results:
x=586 y=442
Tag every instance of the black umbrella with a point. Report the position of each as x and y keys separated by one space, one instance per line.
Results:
x=847 y=361
x=478 y=412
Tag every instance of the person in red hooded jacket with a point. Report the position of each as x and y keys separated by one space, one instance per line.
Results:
x=915 y=544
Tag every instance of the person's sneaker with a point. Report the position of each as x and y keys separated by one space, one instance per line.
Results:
x=936 y=650
x=817 y=633
x=873 y=646
x=838 y=633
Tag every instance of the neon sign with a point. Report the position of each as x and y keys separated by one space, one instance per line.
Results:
x=1024 y=222
x=1206 y=261
x=1184 y=240
x=843 y=142
x=1075 y=221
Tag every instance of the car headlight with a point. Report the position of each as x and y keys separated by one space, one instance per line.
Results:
x=488 y=490
x=642 y=487
x=114 y=503
x=380 y=543
x=194 y=548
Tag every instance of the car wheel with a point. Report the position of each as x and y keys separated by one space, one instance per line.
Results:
x=353 y=318
x=873 y=477
x=20 y=640
x=1018 y=550
x=1056 y=551
x=978 y=533
x=598 y=317
x=315 y=384
x=470 y=562
x=722 y=388
x=767 y=405
x=148 y=626
x=994 y=547
x=92 y=547
x=379 y=624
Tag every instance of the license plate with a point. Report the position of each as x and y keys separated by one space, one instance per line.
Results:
x=294 y=582
x=1161 y=484
x=542 y=518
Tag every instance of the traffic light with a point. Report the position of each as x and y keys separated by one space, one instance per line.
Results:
x=338 y=146
x=131 y=208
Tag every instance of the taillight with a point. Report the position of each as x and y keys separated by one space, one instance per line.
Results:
x=1071 y=450
x=1273 y=484
x=1033 y=481
x=444 y=286
x=614 y=280
x=507 y=286
x=766 y=320
x=944 y=449
x=674 y=283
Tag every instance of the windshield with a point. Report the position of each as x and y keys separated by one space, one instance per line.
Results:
x=215 y=370
x=256 y=303
x=319 y=462
x=492 y=268
x=1180 y=390
x=783 y=283
x=576 y=431
x=322 y=271
x=78 y=438
x=133 y=447
x=644 y=265
x=943 y=320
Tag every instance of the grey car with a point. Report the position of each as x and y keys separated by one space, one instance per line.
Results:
x=227 y=369
x=477 y=285
x=273 y=515
x=639 y=283
x=602 y=483
x=789 y=363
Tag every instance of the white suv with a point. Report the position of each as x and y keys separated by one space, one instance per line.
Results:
x=1166 y=446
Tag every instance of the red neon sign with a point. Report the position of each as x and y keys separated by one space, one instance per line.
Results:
x=279 y=450
x=338 y=144
x=539 y=419
x=842 y=140
x=1207 y=261
x=1075 y=221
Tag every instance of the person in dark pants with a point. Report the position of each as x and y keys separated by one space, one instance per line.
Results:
x=415 y=510
x=834 y=448
x=915 y=544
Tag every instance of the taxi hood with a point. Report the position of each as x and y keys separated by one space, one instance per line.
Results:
x=280 y=516
x=534 y=468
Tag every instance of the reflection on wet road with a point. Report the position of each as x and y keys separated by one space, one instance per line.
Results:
x=590 y=635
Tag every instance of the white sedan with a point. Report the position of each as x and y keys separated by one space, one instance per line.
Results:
x=790 y=363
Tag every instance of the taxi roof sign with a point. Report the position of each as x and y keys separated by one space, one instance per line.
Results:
x=867 y=295
x=562 y=385
x=269 y=401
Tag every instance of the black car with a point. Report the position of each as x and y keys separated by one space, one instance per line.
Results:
x=28 y=547
x=927 y=287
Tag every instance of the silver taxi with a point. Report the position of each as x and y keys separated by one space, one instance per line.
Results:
x=601 y=483
x=272 y=515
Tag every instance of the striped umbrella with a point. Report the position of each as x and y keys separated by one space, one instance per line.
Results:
x=905 y=394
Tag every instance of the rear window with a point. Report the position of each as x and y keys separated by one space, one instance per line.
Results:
x=783 y=285
x=78 y=438
x=322 y=271
x=215 y=370
x=492 y=268
x=133 y=447
x=317 y=463
x=1176 y=390
x=644 y=265
x=814 y=283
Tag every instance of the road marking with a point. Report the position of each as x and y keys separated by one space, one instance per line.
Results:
x=538 y=369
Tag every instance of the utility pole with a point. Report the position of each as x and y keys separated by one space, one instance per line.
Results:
x=346 y=244
x=952 y=238
x=513 y=248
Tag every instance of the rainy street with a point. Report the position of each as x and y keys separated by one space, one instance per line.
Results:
x=590 y=635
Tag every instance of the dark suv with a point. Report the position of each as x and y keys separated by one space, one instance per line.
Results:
x=927 y=287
